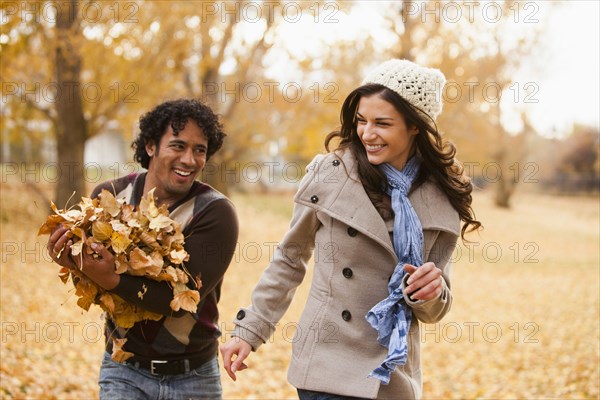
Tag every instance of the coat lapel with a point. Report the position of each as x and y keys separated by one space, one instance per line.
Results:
x=334 y=184
x=354 y=208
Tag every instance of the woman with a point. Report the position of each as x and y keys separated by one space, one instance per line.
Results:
x=382 y=212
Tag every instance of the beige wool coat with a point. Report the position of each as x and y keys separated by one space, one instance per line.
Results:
x=334 y=348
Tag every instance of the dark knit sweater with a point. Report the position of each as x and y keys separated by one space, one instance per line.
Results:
x=210 y=227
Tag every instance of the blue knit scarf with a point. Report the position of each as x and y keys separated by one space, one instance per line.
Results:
x=391 y=317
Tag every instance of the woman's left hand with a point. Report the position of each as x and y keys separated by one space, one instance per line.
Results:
x=424 y=283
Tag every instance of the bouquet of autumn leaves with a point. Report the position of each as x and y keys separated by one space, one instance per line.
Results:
x=144 y=241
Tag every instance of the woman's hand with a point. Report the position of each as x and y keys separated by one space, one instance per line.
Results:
x=424 y=283
x=241 y=349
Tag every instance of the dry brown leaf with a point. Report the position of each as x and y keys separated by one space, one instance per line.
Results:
x=128 y=213
x=182 y=277
x=184 y=298
x=109 y=203
x=147 y=205
x=118 y=354
x=121 y=264
x=76 y=248
x=149 y=240
x=187 y=300
x=178 y=257
x=141 y=263
x=64 y=274
x=167 y=274
x=160 y=222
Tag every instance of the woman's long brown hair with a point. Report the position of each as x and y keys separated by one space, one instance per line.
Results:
x=438 y=156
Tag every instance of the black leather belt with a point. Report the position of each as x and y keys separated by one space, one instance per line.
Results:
x=166 y=367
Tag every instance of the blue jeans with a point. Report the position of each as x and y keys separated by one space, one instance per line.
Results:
x=124 y=381
x=311 y=395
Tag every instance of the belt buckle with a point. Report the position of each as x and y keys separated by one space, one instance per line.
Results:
x=152 y=362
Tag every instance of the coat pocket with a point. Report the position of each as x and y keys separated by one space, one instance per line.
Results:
x=413 y=362
x=308 y=328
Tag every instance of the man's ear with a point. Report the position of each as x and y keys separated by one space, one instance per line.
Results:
x=150 y=149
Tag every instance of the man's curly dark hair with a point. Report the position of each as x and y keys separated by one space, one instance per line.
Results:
x=154 y=124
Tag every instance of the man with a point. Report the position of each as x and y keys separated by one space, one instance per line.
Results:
x=176 y=356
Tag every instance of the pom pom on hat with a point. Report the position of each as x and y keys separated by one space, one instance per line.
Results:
x=420 y=86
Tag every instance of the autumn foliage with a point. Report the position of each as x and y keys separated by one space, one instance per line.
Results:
x=144 y=242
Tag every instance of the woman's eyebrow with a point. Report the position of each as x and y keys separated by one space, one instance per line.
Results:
x=376 y=119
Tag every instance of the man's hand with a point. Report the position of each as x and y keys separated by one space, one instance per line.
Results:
x=101 y=268
x=241 y=349
x=59 y=247
x=424 y=283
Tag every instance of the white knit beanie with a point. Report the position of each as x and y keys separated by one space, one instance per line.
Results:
x=420 y=86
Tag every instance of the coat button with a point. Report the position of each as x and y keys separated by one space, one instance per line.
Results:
x=346 y=316
x=241 y=314
x=336 y=163
x=352 y=232
x=347 y=272
x=314 y=198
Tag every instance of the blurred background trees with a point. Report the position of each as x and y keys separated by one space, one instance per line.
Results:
x=75 y=70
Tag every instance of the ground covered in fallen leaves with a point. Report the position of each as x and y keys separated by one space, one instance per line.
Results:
x=524 y=323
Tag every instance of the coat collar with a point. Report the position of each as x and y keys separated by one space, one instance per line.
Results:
x=332 y=187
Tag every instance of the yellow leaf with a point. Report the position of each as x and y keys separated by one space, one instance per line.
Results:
x=101 y=230
x=145 y=314
x=109 y=203
x=107 y=303
x=87 y=292
x=118 y=354
x=126 y=314
x=77 y=231
x=119 y=242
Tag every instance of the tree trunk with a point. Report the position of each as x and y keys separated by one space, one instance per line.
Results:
x=215 y=173
x=504 y=191
x=71 y=126
x=504 y=185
